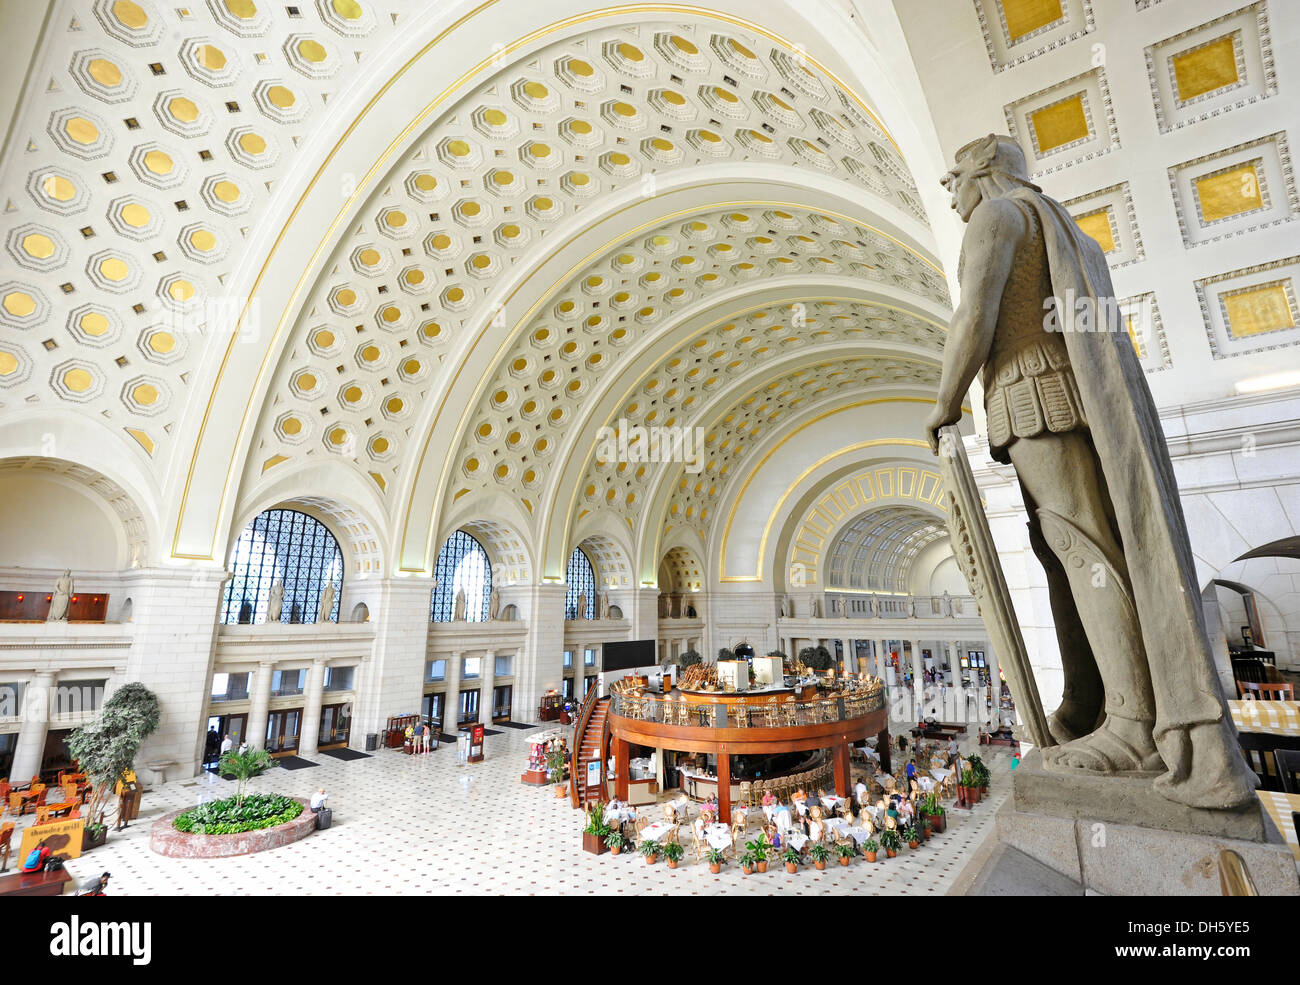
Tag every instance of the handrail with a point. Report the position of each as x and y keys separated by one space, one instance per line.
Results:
x=638 y=706
x=584 y=716
x=873 y=606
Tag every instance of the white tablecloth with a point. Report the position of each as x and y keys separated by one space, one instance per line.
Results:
x=859 y=835
x=837 y=824
x=941 y=775
x=796 y=840
x=718 y=836
x=925 y=783
x=657 y=831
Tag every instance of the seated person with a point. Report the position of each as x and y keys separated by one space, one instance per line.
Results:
x=773 y=836
x=905 y=809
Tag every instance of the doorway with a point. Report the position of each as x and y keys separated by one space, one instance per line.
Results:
x=468 y=708
x=432 y=710
x=501 y=700
x=235 y=726
x=335 y=726
x=282 y=731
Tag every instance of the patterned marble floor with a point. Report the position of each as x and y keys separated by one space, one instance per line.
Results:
x=426 y=825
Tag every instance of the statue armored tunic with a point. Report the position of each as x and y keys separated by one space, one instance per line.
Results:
x=1029 y=386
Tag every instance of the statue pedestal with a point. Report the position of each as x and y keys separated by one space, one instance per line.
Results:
x=1118 y=837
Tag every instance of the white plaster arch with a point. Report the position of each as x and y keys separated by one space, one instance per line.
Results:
x=203 y=481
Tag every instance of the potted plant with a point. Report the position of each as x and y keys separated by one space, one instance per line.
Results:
x=869 y=849
x=673 y=854
x=845 y=851
x=911 y=836
x=981 y=772
x=615 y=841
x=715 y=858
x=557 y=766
x=970 y=792
x=596 y=830
x=747 y=863
x=106 y=749
x=819 y=853
x=891 y=841
x=759 y=848
x=934 y=811
x=791 y=859
x=650 y=849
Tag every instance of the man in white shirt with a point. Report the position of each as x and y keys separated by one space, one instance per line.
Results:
x=318 y=800
x=227 y=744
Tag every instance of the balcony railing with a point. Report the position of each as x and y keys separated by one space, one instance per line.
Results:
x=900 y=606
x=840 y=706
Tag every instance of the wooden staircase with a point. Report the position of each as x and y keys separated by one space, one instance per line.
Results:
x=590 y=740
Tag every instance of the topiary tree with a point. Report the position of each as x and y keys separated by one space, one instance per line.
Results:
x=689 y=658
x=106 y=748
x=243 y=766
x=776 y=653
x=816 y=658
x=724 y=653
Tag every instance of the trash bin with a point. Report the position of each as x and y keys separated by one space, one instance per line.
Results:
x=372 y=742
x=462 y=748
x=323 y=818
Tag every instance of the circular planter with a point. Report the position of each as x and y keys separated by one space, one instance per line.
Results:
x=762 y=866
x=791 y=867
x=844 y=860
x=821 y=866
x=672 y=864
x=166 y=840
x=716 y=867
x=869 y=856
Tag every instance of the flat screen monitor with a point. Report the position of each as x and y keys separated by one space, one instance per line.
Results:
x=627 y=654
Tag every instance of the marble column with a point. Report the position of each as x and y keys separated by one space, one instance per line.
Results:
x=850 y=662
x=451 y=713
x=309 y=735
x=259 y=693
x=489 y=675
x=35 y=724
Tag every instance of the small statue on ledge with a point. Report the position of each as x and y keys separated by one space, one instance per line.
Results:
x=275 y=606
x=326 y=603
x=494 y=604
x=60 y=599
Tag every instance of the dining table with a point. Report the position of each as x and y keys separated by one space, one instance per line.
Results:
x=718 y=836
x=657 y=831
x=1271 y=717
x=1282 y=808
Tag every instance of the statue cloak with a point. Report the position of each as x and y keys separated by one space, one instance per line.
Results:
x=1125 y=430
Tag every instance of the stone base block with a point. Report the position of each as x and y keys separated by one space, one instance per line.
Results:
x=1127 y=800
x=1112 y=859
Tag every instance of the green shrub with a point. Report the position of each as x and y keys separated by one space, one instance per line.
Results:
x=229 y=816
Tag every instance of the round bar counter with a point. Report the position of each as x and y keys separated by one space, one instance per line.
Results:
x=743 y=723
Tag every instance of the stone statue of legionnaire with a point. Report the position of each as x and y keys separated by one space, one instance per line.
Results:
x=582 y=605
x=60 y=599
x=494 y=604
x=326 y=603
x=459 y=614
x=603 y=605
x=1068 y=407
x=275 y=605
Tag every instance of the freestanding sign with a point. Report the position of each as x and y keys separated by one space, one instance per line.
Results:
x=476 y=744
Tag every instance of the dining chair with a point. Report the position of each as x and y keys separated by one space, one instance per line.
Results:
x=1288 y=769
x=1262 y=691
x=6 y=850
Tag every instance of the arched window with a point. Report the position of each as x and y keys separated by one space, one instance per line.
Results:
x=462 y=563
x=581 y=578
x=287 y=546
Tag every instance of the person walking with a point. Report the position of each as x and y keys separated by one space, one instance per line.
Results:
x=428 y=738
x=227 y=744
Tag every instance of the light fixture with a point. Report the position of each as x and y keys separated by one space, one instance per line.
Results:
x=1270 y=381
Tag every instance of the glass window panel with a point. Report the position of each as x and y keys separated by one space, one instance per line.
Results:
x=435 y=670
x=581 y=578
x=462 y=564
x=503 y=667
x=473 y=667
x=285 y=545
